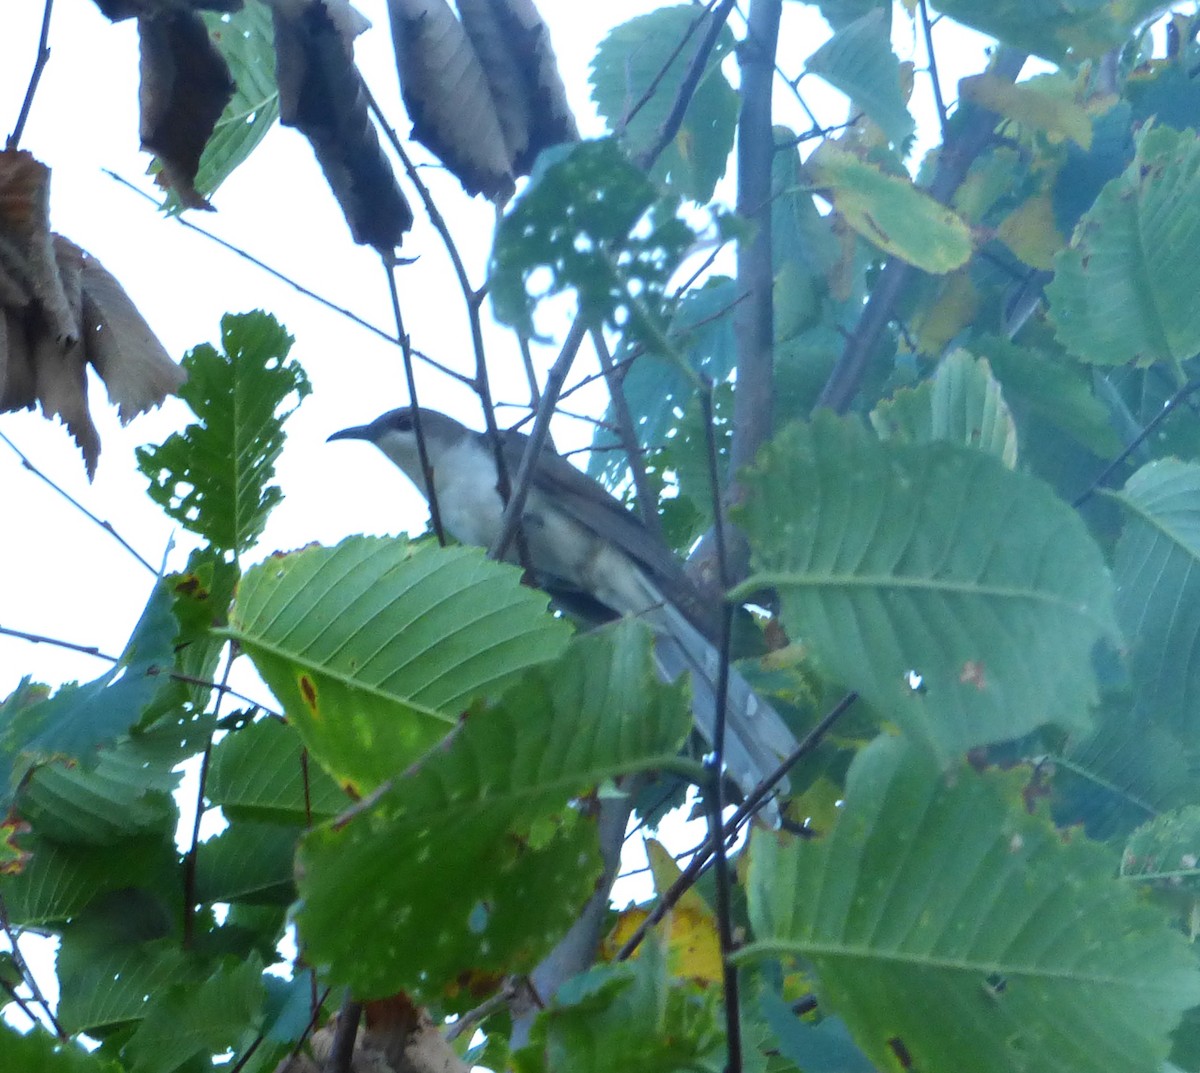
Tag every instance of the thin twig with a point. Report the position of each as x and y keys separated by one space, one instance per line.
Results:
x=39 y=65
x=106 y=526
x=933 y=71
x=245 y=256
x=714 y=795
x=627 y=434
x=717 y=17
x=537 y=438
x=341 y=1054
x=753 y=802
x=189 y=860
x=481 y=1012
x=1188 y=389
x=22 y=966
x=435 y=514
x=71 y=646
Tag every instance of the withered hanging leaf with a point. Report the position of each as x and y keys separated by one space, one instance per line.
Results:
x=321 y=95
x=25 y=224
x=18 y=388
x=60 y=311
x=117 y=10
x=135 y=367
x=514 y=48
x=448 y=97
x=185 y=87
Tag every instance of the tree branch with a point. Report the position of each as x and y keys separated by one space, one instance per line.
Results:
x=43 y=57
x=975 y=125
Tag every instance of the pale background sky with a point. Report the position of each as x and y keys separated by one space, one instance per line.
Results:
x=60 y=575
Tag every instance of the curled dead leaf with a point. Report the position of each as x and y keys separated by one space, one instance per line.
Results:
x=61 y=311
x=185 y=86
x=321 y=95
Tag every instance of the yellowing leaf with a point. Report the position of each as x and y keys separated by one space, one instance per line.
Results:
x=1041 y=103
x=693 y=949
x=1029 y=231
x=952 y=310
x=889 y=211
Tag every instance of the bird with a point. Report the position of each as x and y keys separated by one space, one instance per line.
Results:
x=595 y=559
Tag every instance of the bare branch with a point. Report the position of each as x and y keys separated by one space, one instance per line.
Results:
x=341 y=1054
x=933 y=71
x=39 y=65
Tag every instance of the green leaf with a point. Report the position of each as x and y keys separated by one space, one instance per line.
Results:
x=40 y=1052
x=961 y=403
x=1158 y=590
x=107 y=985
x=259 y=773
x=599 y=226
x=214 y=477
x=890 y=212
x=859 y=61
x=246 y=40
x=825 y=1047
x=79 y=719
x=1084 y=28
x=1122 y=291
x=247 y=862
x=198 y=1019
x=1166 y=851
x=1119 y=776
x=375 y=648
x=648 y=1022
x=1024 y=950
x=894 y=561
x=644 y=56
x=475 y=858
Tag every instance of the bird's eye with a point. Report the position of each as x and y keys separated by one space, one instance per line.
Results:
x=404 y=422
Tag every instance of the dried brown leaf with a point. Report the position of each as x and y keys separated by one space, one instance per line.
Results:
x=14 y=288
x=25 y=223
x=135 y=367
x=321 y=95
x=514 y=48
x=18 y=385
x=185 y=87
x=62 y=390
x=448 y=96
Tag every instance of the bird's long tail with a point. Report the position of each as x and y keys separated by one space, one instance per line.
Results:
x=756 y=737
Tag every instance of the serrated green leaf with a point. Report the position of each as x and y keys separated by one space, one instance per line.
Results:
x=961 y=403
x=375 y=648
x=214 y=477
x=648 y=1022
x=107 y=985
x=1166 y=851
x=1119 y=776
x=1158 y=590
x=40 y=1052
x=859 y=61
x=1025 y=950
x=495 y=862
x=1084 y=28
x=895 y=562
x=258 y=773
x=246 y=41
x=203 y=1018
x=643 y=56
x=78 y=719
x=247 y=862
x=890 y=212
x=1122 y=291
x=599 y=226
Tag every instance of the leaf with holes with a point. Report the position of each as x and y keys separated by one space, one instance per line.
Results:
x=375 y=648
x=476 y=858
x=894 y=561
x=947 y=924
x=214 y=477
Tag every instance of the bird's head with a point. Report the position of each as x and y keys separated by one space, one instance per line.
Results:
x=395 y=434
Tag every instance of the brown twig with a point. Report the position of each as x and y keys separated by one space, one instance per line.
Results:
x=927 y=28
x=22 y=966
x=106 y=526
x=39 y=65
x=341 y=1054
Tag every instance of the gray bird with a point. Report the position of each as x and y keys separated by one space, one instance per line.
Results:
x=595 y=559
